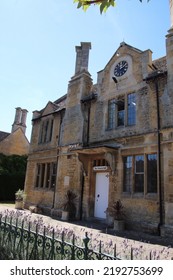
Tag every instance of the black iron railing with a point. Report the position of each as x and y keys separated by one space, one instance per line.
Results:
x=27 y=244
x=26 y=238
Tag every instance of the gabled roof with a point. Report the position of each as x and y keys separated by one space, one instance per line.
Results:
x=160 y=64
x=121 y=45
x=51 y=107
x=3 y=135
x=59 y=100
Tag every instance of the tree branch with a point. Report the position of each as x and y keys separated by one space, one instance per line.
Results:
x=87 y=2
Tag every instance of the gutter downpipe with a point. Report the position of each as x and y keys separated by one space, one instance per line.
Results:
x=159 y=158
x=86 y=144
x=154 y=78
x=81 y=200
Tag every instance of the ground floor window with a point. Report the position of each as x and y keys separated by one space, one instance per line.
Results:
x=140 y=173
x=46 y=175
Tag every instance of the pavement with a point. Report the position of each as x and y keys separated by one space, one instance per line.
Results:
x=162 y=248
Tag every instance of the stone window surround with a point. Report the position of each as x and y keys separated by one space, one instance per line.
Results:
x=46 y=175
x=115 y=109
x=131 y=187
x=46 y=129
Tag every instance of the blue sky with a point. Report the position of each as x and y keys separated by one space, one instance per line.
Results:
x=38 y=39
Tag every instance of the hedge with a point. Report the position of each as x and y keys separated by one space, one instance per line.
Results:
x=9 y=184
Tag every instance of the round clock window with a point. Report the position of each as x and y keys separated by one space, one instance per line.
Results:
x=121 y=68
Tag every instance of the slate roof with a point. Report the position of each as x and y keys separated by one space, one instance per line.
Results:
x=3 y=135
x=160 y=64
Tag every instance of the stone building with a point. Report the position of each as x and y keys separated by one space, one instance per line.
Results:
x=15 y=142
x=109 y=141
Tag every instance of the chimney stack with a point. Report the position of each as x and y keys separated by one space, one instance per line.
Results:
x=20 y=119
x=82 y=57
x=17 y=115
x=23 y=118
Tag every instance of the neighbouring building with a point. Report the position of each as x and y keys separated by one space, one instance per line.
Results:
x=15 y=142
x=109 y=141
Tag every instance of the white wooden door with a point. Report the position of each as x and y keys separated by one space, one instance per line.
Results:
x=101 y=194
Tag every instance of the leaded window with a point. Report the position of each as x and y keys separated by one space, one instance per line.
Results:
x=152 y=173
x=46 y=129
x=131 y=112
x=111 y=114
x=122 y=111
x=46 y=175
x=127 y=187
x=140 y=174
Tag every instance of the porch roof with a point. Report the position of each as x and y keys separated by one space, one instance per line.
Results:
x=98 y=149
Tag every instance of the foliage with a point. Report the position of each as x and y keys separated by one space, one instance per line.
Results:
x=13 y=164
x=103 y=4
x=12 y=175
x=9 y=185
x=117 y=210
x=69 y=203
x=19 y=195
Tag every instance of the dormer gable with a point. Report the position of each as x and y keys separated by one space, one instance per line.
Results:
x=124 y=48
x=127 y=67
x=49 y=108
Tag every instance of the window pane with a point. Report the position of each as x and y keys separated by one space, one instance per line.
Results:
x=46 y=131
x=152 y=173
x=42 y=175
x=120 y=112
x=127 y=186
x=139 y=164
x=139 y=182
x=139 y=173
x=51 y=130
x=120 y=118
x=53 y=177
x=131 y=109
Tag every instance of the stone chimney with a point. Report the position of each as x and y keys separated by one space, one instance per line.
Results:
x=82 y=57
x=23 y=118
x=17 y=118
x=20 y=119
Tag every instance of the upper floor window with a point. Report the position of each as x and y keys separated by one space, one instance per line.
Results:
x=122 y=111
x=46 y=129
x=140 y=174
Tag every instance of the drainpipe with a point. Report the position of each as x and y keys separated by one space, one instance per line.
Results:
x=81 y=200
x=159 y=157
x=155 y=78
x=88 y=124
x=54 y=191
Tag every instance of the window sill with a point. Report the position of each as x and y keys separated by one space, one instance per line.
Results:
x=120 y=127
x=149 y=196
x=43 y=189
